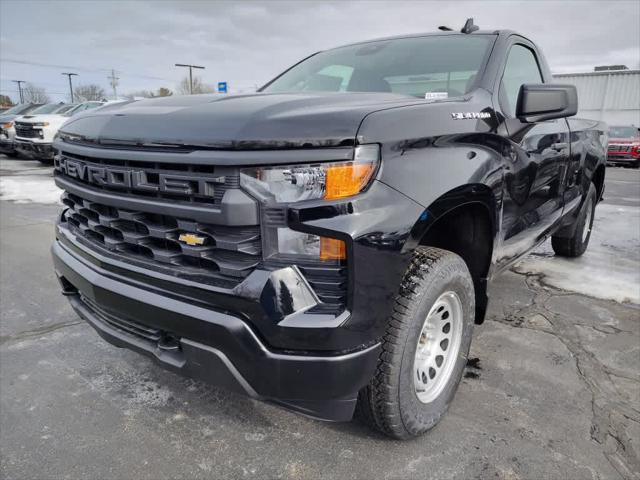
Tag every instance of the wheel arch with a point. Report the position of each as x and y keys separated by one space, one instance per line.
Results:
x=598 y=180
x=464 y=221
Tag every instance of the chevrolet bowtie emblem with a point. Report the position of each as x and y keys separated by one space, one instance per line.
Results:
x=191 y=239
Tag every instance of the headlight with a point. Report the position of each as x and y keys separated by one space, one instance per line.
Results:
x=295 y=183
x=7 y=125
x=276 y=187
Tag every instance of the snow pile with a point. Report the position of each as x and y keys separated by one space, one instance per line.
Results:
x=29 y=189
x=609 y=267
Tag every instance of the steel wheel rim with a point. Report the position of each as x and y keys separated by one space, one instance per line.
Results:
x=438 y=347
x=587 y=222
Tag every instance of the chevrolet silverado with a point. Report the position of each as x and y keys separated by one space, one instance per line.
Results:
x=326 y=243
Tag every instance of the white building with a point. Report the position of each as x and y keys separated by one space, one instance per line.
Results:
x=612 y=96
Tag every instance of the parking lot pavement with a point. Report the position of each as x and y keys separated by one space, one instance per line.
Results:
x=552 y=390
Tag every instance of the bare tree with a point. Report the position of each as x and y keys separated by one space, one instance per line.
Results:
x=34 y=94
x=5 y=101
x=90 y=92
x=164 y=92
x=140 y=94
x=198 y=86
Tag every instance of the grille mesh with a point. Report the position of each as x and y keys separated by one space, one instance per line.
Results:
x=26 y=130
x=620 y=148
x=231 y=251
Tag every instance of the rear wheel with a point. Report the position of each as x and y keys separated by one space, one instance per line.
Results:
x=576 y=245
x=425 y=348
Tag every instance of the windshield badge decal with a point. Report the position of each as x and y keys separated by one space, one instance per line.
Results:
x=470 y=115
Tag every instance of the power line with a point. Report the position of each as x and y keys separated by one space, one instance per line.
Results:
x=191 y=67
x=8 y=90
x=82 y=69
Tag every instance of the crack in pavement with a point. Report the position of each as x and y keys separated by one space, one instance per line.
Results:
x=37 y=332
x=610 y=412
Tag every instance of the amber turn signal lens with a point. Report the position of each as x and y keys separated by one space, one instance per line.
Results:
x=347 y=180
x=332 y=249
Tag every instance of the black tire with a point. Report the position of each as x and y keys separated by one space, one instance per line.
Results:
x=390 y=403
x=576 y=245
x=46 y=161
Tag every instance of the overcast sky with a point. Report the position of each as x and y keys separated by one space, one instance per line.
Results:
x=247 y=43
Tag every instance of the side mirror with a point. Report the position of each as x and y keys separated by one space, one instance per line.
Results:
x=546 y=101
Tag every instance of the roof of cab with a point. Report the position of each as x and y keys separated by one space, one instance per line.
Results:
x=432 y=34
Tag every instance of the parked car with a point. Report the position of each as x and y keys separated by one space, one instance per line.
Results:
x=35 y=132
x=624 y=146
x=327 y=242
x=7 y=127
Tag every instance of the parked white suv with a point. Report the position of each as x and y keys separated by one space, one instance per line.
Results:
x=35 y=132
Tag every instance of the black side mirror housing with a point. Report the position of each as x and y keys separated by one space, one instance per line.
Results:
x=546 y=101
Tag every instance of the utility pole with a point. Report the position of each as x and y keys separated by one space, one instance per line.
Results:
x=20 y=82
x=70 y=85
x=191 y=67
x=114 y=83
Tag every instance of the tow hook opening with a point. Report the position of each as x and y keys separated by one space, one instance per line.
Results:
x=67 y=288
x=169 y=343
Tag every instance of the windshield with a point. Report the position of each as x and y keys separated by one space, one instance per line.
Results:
x=82 y=107
x=623 y=132
x=65 y=109
x=48 y=108
x=425 y=67
x=19 y=109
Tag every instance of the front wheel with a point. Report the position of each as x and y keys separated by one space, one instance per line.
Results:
x=425 y=348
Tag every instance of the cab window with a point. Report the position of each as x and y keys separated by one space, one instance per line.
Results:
x=522 y=67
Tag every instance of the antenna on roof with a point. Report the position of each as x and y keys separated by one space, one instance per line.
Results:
x=444 y=28
x=469 y=27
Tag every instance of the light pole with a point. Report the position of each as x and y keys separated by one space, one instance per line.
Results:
x=20 y=82
x=191 y=67
x=114 y=83
x=70 y=85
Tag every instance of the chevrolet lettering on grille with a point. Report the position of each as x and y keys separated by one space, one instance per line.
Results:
x=130 y=178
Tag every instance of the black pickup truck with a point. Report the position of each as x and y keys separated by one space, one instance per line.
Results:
x=326 y=243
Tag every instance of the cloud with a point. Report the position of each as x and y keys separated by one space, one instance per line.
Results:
x=248 y=43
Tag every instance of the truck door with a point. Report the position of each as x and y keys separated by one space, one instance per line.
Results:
x=536 y=160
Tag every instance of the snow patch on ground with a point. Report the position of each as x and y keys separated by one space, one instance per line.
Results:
x=29 y=189
x=609 y=267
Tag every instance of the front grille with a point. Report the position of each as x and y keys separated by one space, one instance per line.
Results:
x=26 y=130
x=620 y=148
x=181 y=182
x=152 y=238
x=222 y=255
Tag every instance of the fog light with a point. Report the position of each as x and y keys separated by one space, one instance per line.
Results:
x=284 y=242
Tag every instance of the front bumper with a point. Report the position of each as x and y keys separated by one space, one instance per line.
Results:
x=6 y=146
x=35 y=150
x=622 y=159
x=218 y=347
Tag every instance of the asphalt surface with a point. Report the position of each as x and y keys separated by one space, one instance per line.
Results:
x=552 y=391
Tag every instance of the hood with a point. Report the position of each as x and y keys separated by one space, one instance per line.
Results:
x=259 y=121
x=7 y=118
x=51 y=118
x=625 y=140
